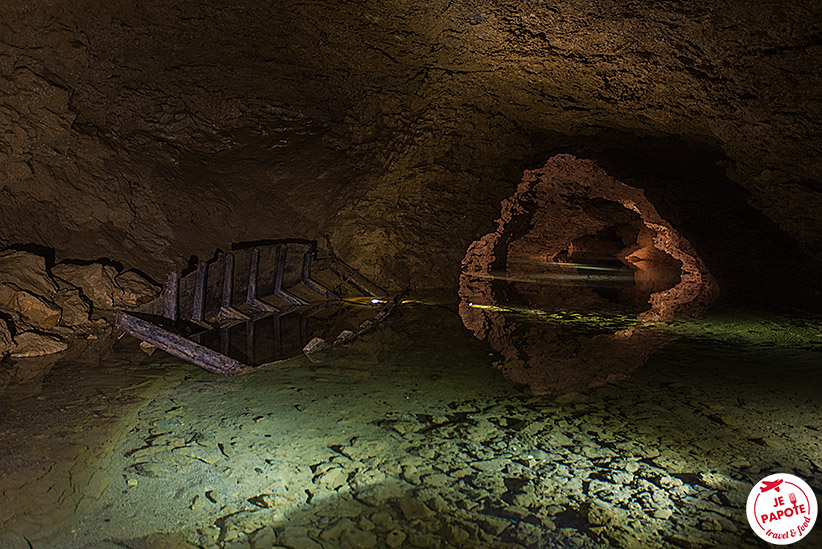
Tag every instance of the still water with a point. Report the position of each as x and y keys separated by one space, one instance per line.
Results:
x=419 y=434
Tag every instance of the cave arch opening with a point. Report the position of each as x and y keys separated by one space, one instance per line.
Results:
x=573 y=238
x=696 y=186
x=614 y=266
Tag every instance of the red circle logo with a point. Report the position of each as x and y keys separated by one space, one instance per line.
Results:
x=782 y=509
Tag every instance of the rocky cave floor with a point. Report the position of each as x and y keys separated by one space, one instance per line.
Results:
x=409 y=438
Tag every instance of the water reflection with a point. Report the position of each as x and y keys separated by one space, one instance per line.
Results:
x=552 y=350
x=24 y=378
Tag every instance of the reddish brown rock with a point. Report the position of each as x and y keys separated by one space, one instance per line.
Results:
x=136 y=290
x=35 y=310
x=26 y=289
x=95 y=280
x=45 y=311
x=104 y=287
x=26 y=271
x=571 y=200
x=32 y=344
x=76 y=310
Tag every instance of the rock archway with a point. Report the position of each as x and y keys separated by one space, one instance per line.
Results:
x=571 y=239
x=571 y=235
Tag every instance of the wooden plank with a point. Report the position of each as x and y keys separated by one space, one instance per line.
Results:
x=188 y=302
x=179 y=346
x=278 y=281
x=306 y=276
x=251 y=290
x=198 y=308
x=228 y=281
x=227 y=311
x=171 y=296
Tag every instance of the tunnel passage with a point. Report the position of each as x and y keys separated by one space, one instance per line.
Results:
x=572 y=237
x=574 y=246
x=616 y=267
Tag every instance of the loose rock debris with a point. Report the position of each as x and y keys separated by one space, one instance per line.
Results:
x=411 y=440
x=510 y=472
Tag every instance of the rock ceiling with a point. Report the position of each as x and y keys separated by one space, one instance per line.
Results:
x=147 y=132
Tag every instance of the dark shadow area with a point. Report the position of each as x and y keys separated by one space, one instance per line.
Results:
x=102 y=260
x=9 y=320
x=751 y=257
x=43 y=251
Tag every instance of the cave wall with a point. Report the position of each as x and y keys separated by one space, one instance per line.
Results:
x=147 y=132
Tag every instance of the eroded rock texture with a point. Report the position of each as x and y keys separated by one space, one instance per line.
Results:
x=41 y=308
x=149 y=132
x=561 y=233
x=574 y=245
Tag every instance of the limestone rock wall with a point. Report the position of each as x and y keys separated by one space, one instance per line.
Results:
x=149 y=132
x=42 y=309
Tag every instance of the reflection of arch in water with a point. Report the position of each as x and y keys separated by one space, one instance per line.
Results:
x=571 y=238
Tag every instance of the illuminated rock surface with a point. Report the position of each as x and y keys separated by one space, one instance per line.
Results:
x=408 y=438
x=6 y=339
x=42 y=309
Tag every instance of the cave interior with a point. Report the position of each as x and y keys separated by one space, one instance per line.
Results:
x=600 y=223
